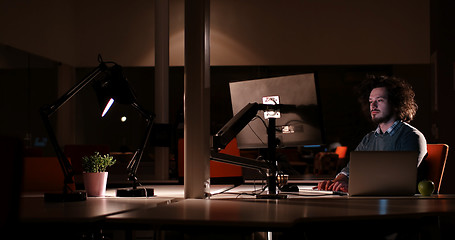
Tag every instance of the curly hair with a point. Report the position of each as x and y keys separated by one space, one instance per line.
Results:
x=400 y=95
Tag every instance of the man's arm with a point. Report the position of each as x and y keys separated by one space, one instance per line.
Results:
x=414 y=141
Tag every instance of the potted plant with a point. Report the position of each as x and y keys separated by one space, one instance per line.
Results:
x=95 y=175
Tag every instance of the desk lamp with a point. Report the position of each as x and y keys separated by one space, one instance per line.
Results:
x=234 y=126
x=111 y=86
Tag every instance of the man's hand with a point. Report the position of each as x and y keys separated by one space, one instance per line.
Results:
x=339 y=186
x=324 y=185
x=340 y=183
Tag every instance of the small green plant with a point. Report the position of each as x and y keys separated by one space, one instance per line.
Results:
x=97 y=163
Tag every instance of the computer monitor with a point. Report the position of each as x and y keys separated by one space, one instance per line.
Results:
x=301 y=127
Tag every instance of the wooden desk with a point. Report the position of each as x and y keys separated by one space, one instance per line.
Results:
x=73 y=220
x=35 y=209
x=294 y=216
x=224 y=213
x=283 y=213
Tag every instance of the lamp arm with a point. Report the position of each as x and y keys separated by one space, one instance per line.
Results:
x=74 y=90
x=136 y=159
x=46 y=112
x=233 y=127
x=65 y=165
x=239 y=161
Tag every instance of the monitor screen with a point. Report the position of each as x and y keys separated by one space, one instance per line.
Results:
x=301 y=127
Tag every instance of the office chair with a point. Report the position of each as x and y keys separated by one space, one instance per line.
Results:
x=341 y=151
x=435 y=163
x=330 y=162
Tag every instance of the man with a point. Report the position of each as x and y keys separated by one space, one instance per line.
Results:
x=390 y=104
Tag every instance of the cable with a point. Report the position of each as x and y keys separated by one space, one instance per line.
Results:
x=256 y=134
x=224 y=191
x=143 y=187
x=262 y=120
x=252 y=193
x=258 y=117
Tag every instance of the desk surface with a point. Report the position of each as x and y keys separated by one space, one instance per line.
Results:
x=35 y=209
x=169 y=209
x=247 y=213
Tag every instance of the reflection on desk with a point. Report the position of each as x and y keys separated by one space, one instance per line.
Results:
x=232 y=210
x=253 y=213
x=35 y=209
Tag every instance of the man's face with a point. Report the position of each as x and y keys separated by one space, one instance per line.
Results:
x=380 y=109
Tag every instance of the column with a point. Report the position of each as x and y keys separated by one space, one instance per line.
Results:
x=197 y=99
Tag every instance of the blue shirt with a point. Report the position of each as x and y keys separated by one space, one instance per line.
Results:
x=399 y=137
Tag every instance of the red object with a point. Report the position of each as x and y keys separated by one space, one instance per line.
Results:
x=43 y=174
x=341 y=151
x=436 y=160
x=217 y=169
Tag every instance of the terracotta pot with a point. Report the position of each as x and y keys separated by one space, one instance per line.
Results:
x=95 y=183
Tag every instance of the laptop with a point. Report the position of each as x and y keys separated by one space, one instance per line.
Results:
x=383 y=173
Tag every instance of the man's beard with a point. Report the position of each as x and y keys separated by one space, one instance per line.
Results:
x=383 y=119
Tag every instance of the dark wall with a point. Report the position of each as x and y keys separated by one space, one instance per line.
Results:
x=443 y=83
x=27 y=82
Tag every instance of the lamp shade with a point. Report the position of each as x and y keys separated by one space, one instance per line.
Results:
x=111 y=87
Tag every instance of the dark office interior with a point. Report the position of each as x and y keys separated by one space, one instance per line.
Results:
x=340 y=44
x=48 y=46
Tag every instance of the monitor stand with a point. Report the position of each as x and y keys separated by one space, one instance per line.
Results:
x=272 y=174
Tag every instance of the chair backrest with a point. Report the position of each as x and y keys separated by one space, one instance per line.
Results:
x=43 y=174
x=436 y=161
x=341 y=151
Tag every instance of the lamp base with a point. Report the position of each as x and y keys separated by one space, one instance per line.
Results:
x=138 y=192
x=65 y=197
